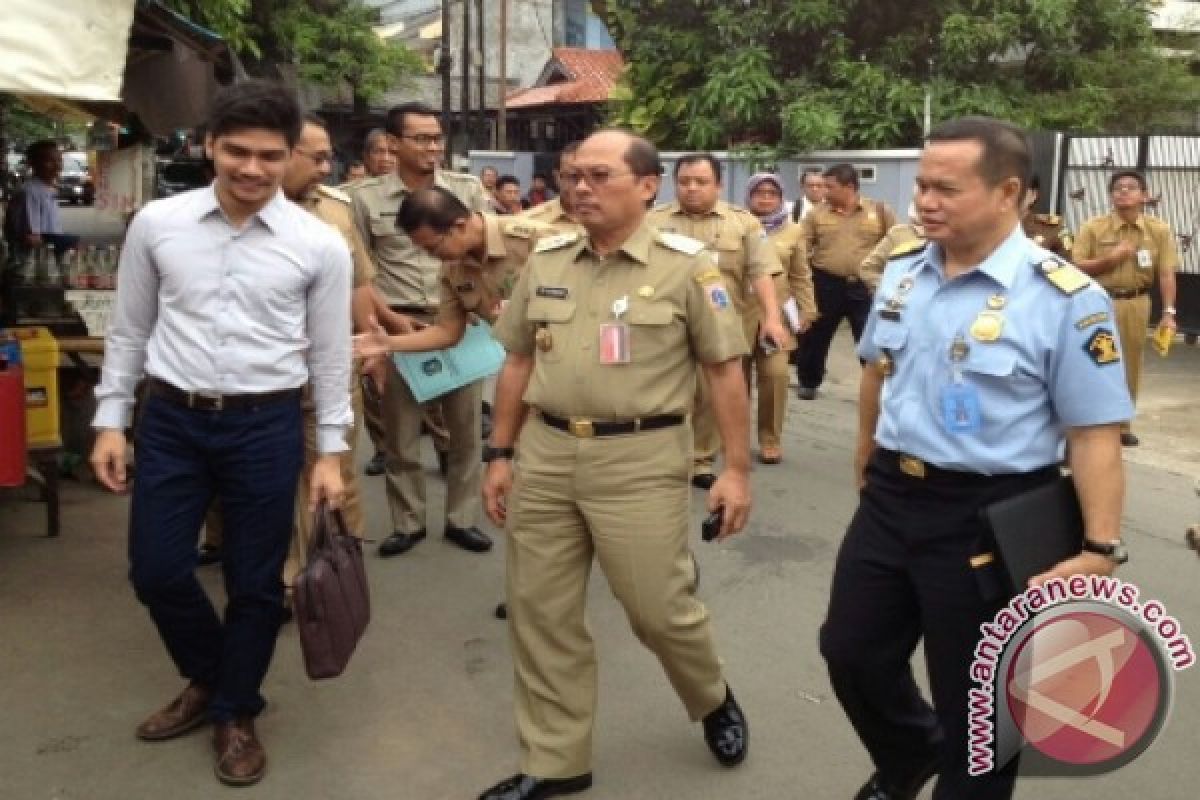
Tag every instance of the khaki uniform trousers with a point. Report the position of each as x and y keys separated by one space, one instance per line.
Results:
x=402 y=416
x=373 y=417
x=352 y=510
x=771 y=372
x=624 y=500
x=1133 y=318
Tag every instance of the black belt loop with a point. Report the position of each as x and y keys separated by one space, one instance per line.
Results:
x=588 y=428
x=214 y=401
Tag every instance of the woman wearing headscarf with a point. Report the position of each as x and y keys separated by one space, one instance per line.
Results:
x=764 y=199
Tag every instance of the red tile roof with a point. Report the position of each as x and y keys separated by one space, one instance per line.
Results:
x=592 y=74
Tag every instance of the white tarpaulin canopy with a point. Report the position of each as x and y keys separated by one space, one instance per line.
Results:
x=72 y=49
x=111 y=57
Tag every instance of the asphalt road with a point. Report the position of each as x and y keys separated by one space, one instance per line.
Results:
x=425 y=710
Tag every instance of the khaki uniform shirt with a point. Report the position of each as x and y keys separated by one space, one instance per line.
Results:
x=679 y=314
x=838 y=242
x=551 y=213
x=1099 y=235
x=789 y=246
x=743 y=250
x=1046 y=230
x=478 y=287
x=332 y=206
x=406 y=274
x=872 y=266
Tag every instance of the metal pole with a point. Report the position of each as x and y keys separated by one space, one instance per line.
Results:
x=502 y=75
x=444 y=67
x=464 y=112
x=481 y=125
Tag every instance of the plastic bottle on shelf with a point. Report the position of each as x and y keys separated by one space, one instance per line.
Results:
x=30 y=267
x=110 y=274
x=88 y=273
x=68 y=268
x=52 y=276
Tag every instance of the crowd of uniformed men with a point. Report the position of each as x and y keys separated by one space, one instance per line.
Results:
x=632 y=332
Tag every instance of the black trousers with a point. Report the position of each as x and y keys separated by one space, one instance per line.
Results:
x=837 y=298
x=903 y=574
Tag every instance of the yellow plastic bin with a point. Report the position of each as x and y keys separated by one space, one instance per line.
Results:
x=39 y=352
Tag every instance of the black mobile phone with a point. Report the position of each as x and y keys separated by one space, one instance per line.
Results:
x=711 y=527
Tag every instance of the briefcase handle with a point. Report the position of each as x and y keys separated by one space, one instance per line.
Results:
x=326 y=520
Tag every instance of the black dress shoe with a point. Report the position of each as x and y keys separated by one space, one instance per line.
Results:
x=704 y=480
x=208 y=555
x=878 y=787
x=527 y=787
x=727 y=732
x=501 y=611
x=377 y=465
x=399 y=543
x=470 y=538
x=806 y=393
x=1129 y=440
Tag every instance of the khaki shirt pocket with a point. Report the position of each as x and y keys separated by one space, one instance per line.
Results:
x=651 y=333
x=553 y=315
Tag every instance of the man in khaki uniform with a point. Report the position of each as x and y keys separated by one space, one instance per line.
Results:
x=838 y=234
x=482 y=257
x=409 y=279
x=1125 y=251
x=604 y=334
x=559 y=211
x=904 y=235
x=764 y=199
x=311 y=162
x=746 y=259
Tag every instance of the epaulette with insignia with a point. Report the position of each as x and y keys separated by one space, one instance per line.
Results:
x=336 y=194
x=680 y=243
x=907 y=248
x=556 y=241
x=1049 y=219
x=519 y=228
x=661 y=207
x=1066 y=277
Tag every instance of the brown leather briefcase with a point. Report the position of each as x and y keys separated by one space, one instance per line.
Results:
x=332 y=604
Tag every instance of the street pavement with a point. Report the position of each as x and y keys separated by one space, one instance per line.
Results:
x=425 y=710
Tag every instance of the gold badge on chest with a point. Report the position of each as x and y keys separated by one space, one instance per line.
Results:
x=543 y=339
x=988 y=326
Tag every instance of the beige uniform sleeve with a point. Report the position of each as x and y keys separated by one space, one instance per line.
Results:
x=1085 y=243
x=364 y=267
x=1168 y=252
x=761 y=258
x=714 y=327
x=872 y=266
x=513 y=329
x=800 y=280
x=450 y=305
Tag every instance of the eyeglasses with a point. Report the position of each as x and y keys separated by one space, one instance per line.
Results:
x=1126 y=187
x=425 y=139
x=595 y=177
x=324 y=157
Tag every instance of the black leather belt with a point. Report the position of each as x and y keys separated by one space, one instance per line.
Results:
x=587 y=428
x=214 y=401
x=1127 y=294
x=914 y=467
x=413 y=310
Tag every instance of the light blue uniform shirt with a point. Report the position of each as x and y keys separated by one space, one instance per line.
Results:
x=41 y=207
x=1054 y=365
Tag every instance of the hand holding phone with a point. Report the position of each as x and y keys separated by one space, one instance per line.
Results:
x=710 y=529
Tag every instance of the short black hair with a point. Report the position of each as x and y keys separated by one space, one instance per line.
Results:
x=396 y=115
x=845 y=174
x=434 y=208
x=568 y=150
x=35 y=150
x=504 y=180
x=699 y=158
x=373 y=135
x=256 y=104
x=1127 y=173
x=642 y=157
x=355 y=162
x=1006 y=149
x=315 y=119
x=541 y=176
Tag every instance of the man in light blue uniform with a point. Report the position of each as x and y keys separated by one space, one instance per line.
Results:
x=985 y=355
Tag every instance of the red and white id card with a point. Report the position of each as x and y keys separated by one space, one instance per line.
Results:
x=614 y=343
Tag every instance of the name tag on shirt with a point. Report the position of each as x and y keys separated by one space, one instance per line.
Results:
x=960 y=408
x=1144 y=259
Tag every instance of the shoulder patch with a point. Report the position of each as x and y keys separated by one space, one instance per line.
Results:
x=556 y=241
x=1066 y=277
x=1092 y=319
x=707 y=275
x=336 y=194
x=680 y=243
x=907 y=248
x=1102 y=347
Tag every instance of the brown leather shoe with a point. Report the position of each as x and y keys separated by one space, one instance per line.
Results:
x=241 y=759
x=186 y=712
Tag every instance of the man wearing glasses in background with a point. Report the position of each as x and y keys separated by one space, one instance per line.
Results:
x=1125 y=251
x=408 y=279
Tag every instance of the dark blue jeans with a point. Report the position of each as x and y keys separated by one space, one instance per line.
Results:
x=251 y=459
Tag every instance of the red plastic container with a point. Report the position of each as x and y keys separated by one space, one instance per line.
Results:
x=12 y=423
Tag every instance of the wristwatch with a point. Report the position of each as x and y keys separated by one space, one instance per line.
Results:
x=1115 y=550
x=490 y=453
x=1169 y=310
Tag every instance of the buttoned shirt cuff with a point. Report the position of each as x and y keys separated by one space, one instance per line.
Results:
x=331 y=439
x=112 y=413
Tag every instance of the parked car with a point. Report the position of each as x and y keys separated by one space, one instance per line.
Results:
x=181 y=174
x=75 y=184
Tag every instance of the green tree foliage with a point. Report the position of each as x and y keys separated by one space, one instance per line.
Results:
x=326 y=41
x=808 y=74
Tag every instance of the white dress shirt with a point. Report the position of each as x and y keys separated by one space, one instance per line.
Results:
x=207 y=307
